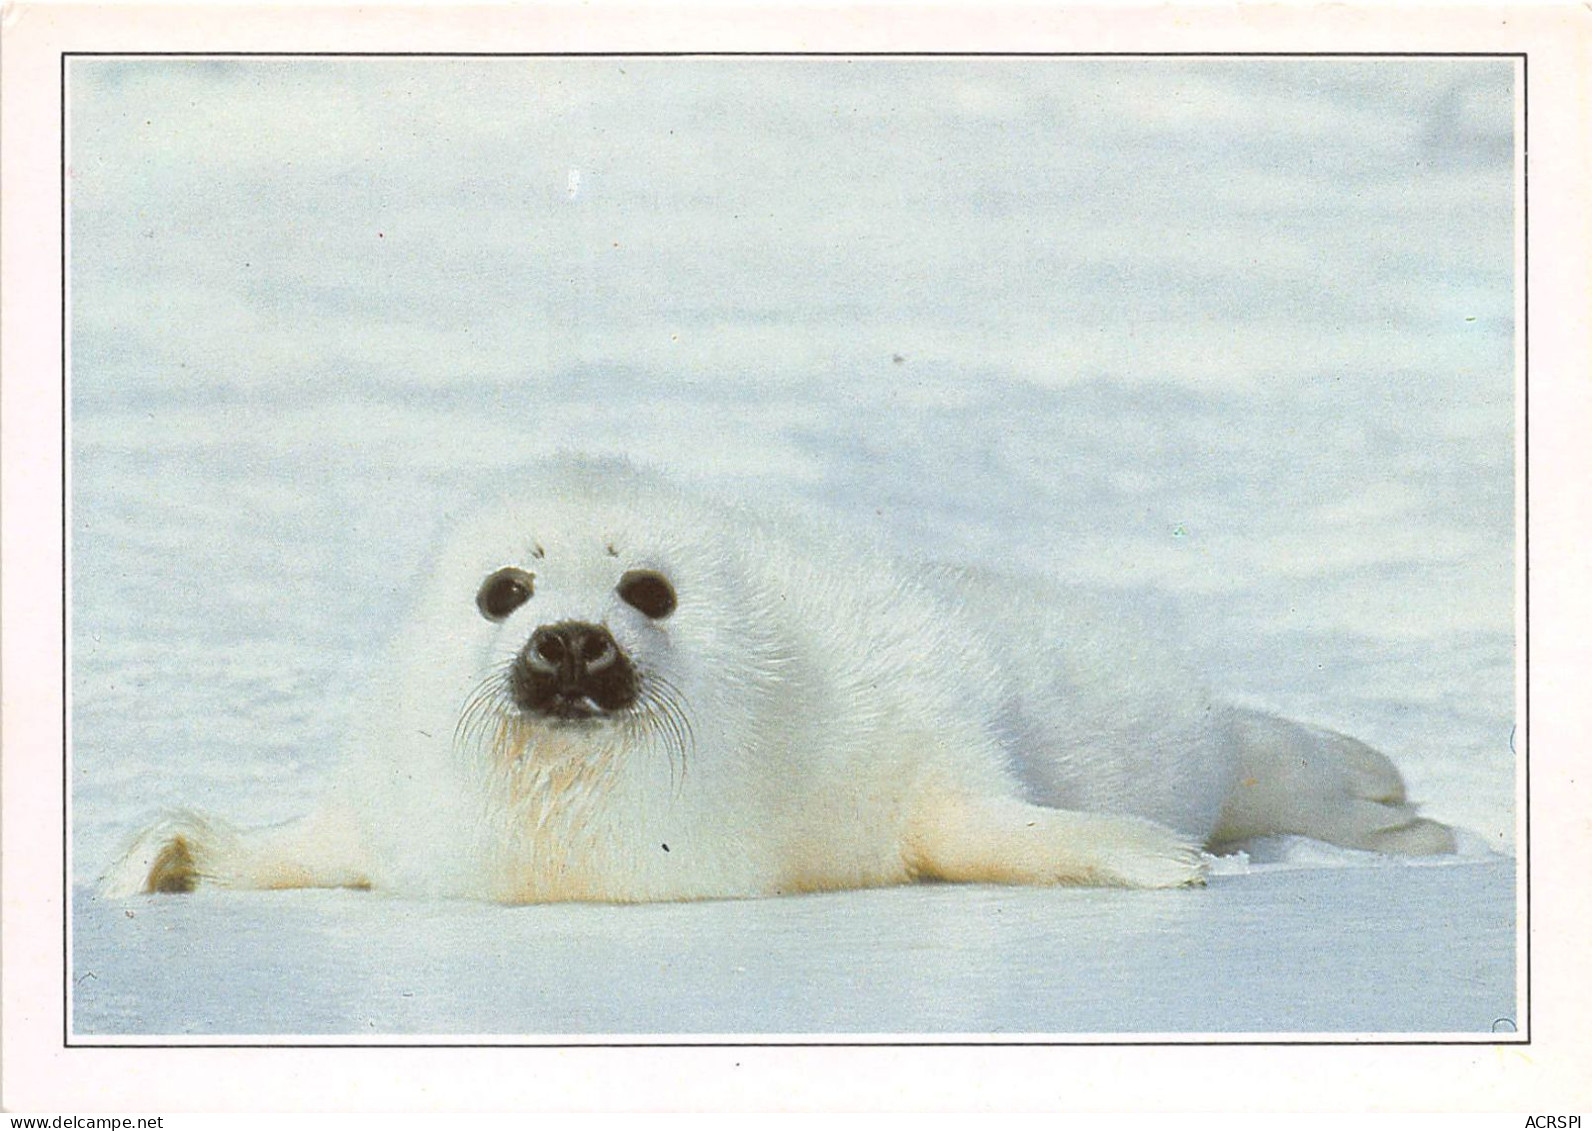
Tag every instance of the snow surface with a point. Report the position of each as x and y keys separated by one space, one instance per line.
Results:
x=1408 y=949
x=1232 y=341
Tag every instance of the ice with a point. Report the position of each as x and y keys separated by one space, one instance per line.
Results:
x=1359 y=950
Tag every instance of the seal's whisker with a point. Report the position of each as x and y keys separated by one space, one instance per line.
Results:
x=686 y=736
x=486 y=715
x=662 y=714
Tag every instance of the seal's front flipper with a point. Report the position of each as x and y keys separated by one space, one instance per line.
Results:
x=1307 y=781
x=1005 y=841
x=185 y=850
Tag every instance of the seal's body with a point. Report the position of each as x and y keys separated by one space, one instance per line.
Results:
x=614 y=691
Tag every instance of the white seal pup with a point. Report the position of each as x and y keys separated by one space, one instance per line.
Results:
x=612 y=690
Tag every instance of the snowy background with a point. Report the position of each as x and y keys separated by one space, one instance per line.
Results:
x=1231 y=341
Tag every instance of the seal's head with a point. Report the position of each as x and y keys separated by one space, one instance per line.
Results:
x=586 y=617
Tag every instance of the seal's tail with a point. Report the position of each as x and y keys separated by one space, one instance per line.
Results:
x=1307 y=781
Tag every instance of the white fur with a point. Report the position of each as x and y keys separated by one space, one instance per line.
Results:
x=823 y=718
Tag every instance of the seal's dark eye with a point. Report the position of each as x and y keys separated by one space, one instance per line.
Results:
x=648 y=591
x=503 y=592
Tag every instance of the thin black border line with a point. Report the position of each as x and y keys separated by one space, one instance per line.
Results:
x=66 y=580
x=1482 y=1040
x=796 y=54
x=1524 y=152
x=1202 y=1041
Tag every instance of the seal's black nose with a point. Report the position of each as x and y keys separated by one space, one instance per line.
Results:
x=572 y=650
x=573 y=670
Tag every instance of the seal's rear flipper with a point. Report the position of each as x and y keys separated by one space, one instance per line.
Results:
x=1307 y=781
x=1421 y=837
